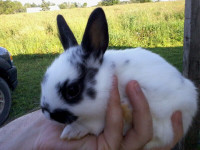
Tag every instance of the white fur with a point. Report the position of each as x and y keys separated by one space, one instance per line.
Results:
x=164 y=87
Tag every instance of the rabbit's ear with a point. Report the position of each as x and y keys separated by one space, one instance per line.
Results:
x=66 y=36
x=95 y=39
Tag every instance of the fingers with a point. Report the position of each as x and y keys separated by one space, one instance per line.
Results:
x=142 y=130
x=141 y=111
x=114 y=119
x=178 y=130
x=177 y=127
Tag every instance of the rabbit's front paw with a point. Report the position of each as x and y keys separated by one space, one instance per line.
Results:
x=74 y=131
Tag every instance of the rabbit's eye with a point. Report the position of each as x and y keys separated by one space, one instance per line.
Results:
x=72 y=91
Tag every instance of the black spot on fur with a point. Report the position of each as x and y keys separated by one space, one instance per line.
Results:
x=113 y=65
x=63 y=116
x=127 y=62
x=93 y=82
x=81 y=69
x=71 y=92
x=45 y=106
x=101 y=60
x=91 y=72
x=91 y=93
x=76 y=55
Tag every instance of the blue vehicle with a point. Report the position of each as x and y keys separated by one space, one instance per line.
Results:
x=8 y=81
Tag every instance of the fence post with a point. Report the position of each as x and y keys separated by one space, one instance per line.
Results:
x=191 y=65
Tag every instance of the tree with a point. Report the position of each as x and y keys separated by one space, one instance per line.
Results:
x=135 y=1
x=45 y=5
x=109 y=2
x=66 y=5
x=144 y=1
x=191 y=64
x=18 y=7
x=141 y=1
x=9 y=7
x=84 y=4
x=34 y=5
x=63 y=6
x=77 y=4
x=28 y=5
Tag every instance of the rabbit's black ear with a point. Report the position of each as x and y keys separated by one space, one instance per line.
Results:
x=95 y=39
x=65 y=34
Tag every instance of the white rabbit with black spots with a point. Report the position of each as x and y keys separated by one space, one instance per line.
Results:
x=76 y=86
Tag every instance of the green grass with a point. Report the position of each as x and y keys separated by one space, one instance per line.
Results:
x=146 y=24
x=30 y=72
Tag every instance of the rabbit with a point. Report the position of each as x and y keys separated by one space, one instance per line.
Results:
x=76 y=86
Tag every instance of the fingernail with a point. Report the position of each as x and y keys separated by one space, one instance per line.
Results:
x=114 y=81
x=137 y=87
x=178 y=117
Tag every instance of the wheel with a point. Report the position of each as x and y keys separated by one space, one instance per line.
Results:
x=5 y=101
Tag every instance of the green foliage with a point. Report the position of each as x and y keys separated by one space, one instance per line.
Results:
x=140 y=1
x=84 y=5
x=63 y=6
x=66 y=5
x=28 y=5
x=34 y=5
x=135 y=1
x=109 y=2
x=76 y=4
x=144 y=1
x=45 y=5
x=9 y=7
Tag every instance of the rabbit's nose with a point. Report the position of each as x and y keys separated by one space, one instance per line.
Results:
x=63 y=116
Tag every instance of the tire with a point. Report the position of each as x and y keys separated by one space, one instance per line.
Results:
x=5 y=101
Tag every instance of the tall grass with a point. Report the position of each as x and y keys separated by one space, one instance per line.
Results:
x=146 y=25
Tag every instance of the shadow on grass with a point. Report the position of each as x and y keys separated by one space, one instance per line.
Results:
x=26 y=96
x=31 y=69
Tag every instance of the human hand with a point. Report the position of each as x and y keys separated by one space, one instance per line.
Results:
x=178 y=131
x=142 y=127
x=112 y=138
x=142 y=130
x=34 y=131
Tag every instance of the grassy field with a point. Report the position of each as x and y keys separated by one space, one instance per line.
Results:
x=147 y=25
x=32 y=39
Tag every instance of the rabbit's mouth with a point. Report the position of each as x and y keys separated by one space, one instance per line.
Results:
x=60 y=115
